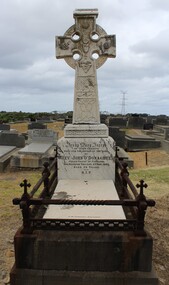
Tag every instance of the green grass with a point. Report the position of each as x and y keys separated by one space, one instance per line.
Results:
x=10 y=188
x=157 y=180
x=159 y=175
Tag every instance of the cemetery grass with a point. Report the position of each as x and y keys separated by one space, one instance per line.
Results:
x=157 y=218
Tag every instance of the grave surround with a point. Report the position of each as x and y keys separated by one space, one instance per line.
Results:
x=84 y=257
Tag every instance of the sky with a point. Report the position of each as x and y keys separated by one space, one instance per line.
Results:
x=33 y=80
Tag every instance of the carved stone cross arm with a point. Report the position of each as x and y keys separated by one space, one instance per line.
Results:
x=85 y=46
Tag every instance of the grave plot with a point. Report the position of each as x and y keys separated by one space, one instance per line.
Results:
x=9 y=144
x=140 y=142
x=87 y=226
x=40 y=149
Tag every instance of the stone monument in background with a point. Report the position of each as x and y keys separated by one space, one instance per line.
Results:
x=86 y=151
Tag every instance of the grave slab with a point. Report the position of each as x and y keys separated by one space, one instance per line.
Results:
x=36 y=148
x=5 y=150
x=140 y=142
x=5 y=156
x=85 y=190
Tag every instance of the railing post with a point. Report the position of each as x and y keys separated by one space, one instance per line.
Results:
x=46 y=173
x=142 y=205
x=56 y=170
x=124 y=172
x=24 y=205
x=116 y=157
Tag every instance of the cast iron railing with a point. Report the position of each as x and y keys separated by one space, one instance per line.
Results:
x=129 y=197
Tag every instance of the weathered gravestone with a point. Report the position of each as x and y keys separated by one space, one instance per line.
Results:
x=140 y=142
x=4 y=127
x=38 y=151
x=120 y=122
x=118 y=135
x=36 y=125
x=75 y=253
x=9 y=144
x=136 y=122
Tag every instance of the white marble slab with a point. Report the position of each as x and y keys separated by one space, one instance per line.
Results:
x=36 y=148
x=5 y=149
x=86 y=158
x=85 y=190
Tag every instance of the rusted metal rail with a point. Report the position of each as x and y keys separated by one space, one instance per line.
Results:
x=29 y=204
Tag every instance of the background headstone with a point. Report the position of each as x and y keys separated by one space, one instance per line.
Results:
x=120 y=122
x=12 y=139
x=4 y=127
x=136 y=122
x=118 y=135
x=36 y=125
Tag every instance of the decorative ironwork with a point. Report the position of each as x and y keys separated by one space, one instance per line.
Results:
x=112 y=225
x=30 y=221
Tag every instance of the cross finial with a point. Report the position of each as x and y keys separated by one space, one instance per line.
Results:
x=142 y=185
x=25 y=184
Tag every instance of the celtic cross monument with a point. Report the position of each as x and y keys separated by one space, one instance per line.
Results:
x=86 y=151
x=85 y=46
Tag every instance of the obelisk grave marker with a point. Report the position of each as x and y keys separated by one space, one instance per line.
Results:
x=86 y=151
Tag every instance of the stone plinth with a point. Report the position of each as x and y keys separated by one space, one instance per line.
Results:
x=46 y=277
x=86 y=131
x=83 y=257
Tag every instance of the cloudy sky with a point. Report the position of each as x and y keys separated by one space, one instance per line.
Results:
x=32 y=79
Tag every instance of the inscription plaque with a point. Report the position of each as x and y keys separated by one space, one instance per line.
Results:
x=86 y=158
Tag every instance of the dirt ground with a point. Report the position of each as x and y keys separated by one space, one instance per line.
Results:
x=157 y=219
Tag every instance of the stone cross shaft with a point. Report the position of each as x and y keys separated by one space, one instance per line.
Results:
x=85 y=46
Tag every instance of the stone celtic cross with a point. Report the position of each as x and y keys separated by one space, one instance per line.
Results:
x=85 y=46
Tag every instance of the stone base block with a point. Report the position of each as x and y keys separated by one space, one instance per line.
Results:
x=53 y=277
x=102 y=251
x=86 y=131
